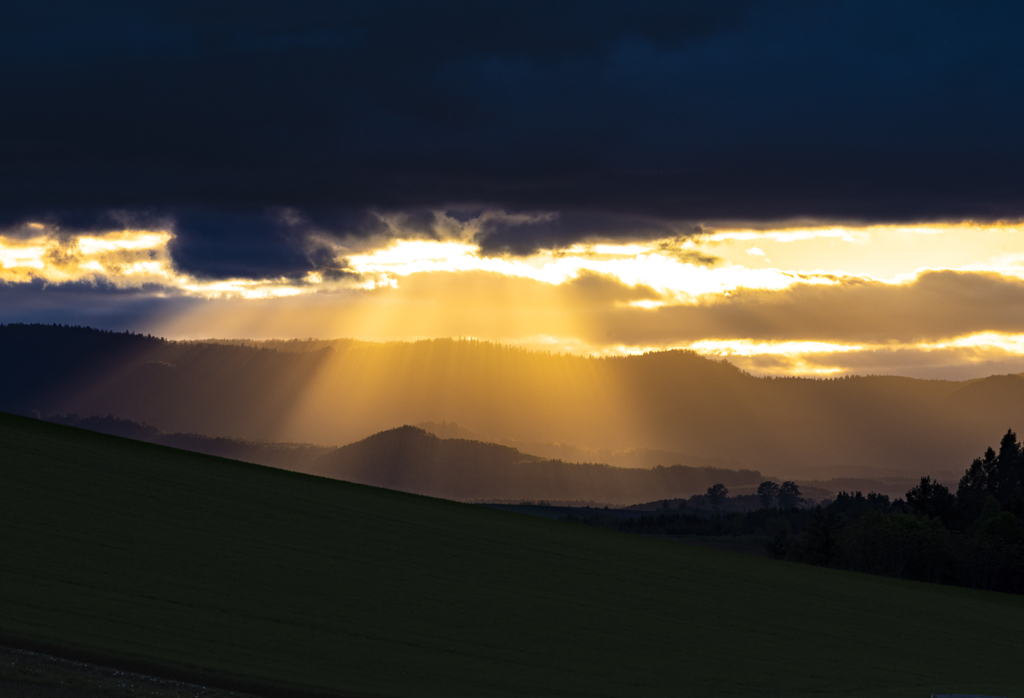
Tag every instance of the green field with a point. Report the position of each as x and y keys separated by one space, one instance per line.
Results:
x=218 y=572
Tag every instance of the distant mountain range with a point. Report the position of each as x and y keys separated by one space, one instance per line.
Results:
x=671 y=403
x=573 y=453
x=290 y=456
x=413 y=460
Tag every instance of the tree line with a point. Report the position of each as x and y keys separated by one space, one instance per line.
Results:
x=972 y=537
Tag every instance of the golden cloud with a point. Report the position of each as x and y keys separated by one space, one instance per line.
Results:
x=814 y=300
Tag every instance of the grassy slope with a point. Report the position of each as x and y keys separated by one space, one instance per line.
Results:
x=200 y=567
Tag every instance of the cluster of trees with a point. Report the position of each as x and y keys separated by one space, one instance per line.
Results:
x=786 y=495
x=716 y=499
x=972 y=537
x=933 y=536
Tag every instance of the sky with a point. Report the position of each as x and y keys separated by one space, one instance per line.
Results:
x=800 y=188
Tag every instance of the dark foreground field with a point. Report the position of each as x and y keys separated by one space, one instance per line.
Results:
x=25 y=674
x=248 y=578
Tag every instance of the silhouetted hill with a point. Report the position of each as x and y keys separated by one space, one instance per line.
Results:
x=291 y=456
x=671 y=402
x=41 y=364
x=413 y=460
x=181 y=387
x=1005 y=390
x=572 y=453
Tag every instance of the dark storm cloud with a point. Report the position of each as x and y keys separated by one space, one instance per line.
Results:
x=654 y=115
x=96 y=305
x=521 y=236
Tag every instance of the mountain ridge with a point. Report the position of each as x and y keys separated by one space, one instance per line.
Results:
x=690 y=479
x=675 y=402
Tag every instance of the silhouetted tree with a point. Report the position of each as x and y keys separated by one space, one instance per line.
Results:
x=1003 y=479
x=789 y=495
x=930 y=498
x=767 y=491
x=878 y=502
x=926 y=538
x=999 y=475
x=973 y=489
x=716 y=495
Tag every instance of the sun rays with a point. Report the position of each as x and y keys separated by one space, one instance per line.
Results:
x=758 y=298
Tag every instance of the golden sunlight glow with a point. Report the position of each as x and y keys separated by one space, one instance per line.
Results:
x=123 y=240
x=889 y=253
x=15 y=256
x=1012 y=343
x=746 y=347
x=633 y=265
x=598 y=297
x=826 y=358
x=679 y=270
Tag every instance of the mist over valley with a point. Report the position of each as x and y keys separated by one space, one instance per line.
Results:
x=679 y=403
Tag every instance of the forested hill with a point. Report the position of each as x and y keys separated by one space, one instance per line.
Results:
x=412 y=460
x=338 y=392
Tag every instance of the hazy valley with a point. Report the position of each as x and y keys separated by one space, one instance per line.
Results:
x=669 y=408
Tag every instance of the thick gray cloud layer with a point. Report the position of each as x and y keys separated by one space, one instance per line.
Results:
x=624 y=118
